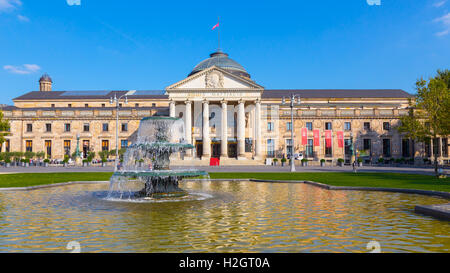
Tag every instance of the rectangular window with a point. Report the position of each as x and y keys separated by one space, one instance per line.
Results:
x=53 y=105
x=86 y=127
x=29 y=145
x=123 y=143
x=124 y=127
x=445 y=147
x=310 y=148
x=69 y=105
x=436 y=146
x=328 y=150
x=48 y=127
x=7 y=146
x=270 y=148
x=347 y=126
x=289 y=150
x=105 y=145
x=153 y=104
x=67 y=147
x=386 y=126
x=269 y=112
x=29 y=127
x=105 y=127
x=48 y=148
x=248 y=145
x=86 y=105
x=328 y=126
x=348 y=147
x=367 y=126
x=386 y=147
x=309 y=126
x=103 y=105
x=270 y=126
x=428 y=147
x=406 y=148
x=367 y=146
x=288 y=126
x=67 y=127
x=136 y=105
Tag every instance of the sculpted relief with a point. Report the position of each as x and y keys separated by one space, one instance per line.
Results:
x=214 y=79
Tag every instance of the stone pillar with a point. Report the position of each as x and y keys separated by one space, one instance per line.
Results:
x=241 y=130
x=206 y=137
x=258 y=140
x=188 y=126
x=224 y=135
x=172 y=109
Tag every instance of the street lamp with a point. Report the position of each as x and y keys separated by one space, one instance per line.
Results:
x=292 y=104
x=116 y=100
x=353 y=157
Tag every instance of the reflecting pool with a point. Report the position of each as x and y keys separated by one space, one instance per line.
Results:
x=229 y=217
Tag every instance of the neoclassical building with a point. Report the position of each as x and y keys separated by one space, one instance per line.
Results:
x=227 y=115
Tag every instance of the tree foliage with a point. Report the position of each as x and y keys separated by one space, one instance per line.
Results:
x=429 y=116
x=4 y=128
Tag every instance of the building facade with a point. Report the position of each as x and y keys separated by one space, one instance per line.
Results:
x=226 y=114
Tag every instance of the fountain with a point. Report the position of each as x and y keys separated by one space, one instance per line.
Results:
x=147 y=161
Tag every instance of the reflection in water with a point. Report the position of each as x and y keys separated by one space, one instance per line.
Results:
x=240 y=217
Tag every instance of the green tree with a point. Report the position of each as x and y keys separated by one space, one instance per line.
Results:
x=4 y=128
x=429 y=116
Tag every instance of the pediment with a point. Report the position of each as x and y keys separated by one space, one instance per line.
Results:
x=214 y=78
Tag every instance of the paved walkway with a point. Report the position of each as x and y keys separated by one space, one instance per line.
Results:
x=259 y=168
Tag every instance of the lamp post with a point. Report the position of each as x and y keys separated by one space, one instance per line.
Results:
x=116 y=100
x=292 y=104
x=77 y=151
x=353 y=157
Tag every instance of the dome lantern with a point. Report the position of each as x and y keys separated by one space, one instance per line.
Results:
x=45 y=83
x=221 y=59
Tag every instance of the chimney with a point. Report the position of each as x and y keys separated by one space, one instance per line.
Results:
x=45 y=83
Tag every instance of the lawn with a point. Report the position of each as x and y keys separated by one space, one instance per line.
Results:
x=387 y=180
x=390 y=180
x=34 y=179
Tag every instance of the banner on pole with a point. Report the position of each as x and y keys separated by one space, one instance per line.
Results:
x=340 y=137
x=316 y=134
x=304 y=136
x=328 y=138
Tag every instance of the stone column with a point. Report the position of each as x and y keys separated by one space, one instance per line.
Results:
x=258 y=140
x=224 y=135
x=241 y=130
x=206 y=137
x=172 y=109
x=188 y=126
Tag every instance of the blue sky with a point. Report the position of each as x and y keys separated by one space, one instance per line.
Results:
x=148 y=45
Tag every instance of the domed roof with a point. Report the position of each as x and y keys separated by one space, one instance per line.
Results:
x=221 y=59
x=45 y=78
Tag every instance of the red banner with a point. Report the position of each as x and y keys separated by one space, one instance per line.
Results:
x=328 y=138
x=304 y=136
x=340 y=137
x=316 y=138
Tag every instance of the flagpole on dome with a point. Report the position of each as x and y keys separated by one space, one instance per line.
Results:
x=218 y=32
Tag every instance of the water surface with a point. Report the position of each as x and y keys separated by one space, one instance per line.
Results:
x=239 y=217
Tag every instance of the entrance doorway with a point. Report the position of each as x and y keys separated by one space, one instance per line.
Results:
x=85 y=148
x=232 y=150
x=199 y=148
x=215 y=147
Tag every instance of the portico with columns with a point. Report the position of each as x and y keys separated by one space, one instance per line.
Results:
x=221 y=112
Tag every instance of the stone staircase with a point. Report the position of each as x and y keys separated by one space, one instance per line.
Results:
x=223 y=162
